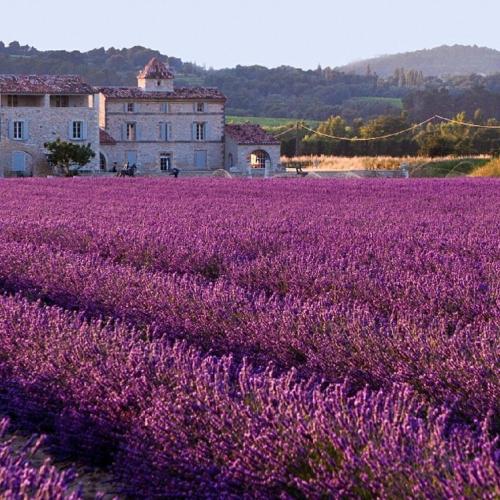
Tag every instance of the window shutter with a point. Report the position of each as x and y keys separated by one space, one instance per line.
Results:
x=206 y=131
x=125 y=107
x=169 y=131
x=164 y=107
x=70 y=130
x=194 y=107
x=26 y=134
x=137 y=132
x=123 y=132
x=11 y=129
x=85 y=131
x=193 y=132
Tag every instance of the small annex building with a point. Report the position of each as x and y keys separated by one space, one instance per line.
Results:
x=251 y=150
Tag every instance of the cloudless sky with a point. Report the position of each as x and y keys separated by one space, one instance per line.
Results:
x=224 y=33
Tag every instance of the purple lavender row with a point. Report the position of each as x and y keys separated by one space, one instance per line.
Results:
x=318 y=336
x=178 y=423
x=19 y=479
x=169 y=231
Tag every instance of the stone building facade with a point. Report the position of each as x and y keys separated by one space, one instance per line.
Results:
x=155 y=126
x=39 y=109
x=158 y=127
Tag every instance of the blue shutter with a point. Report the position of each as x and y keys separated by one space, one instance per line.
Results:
x=125 y=107
x=70 y=130
x=124 y=134
x=206 y=131
x=193 y=132
x=85 y=131
x=169 y=131
x=137 y=132
x=11 y=129
x=26 y=133
x=18 y=161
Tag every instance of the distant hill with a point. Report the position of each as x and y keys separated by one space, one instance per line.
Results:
x=440 y=61
x=294 y=93
x=251 y=90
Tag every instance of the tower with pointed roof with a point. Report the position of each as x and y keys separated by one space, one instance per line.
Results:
x=156 y=77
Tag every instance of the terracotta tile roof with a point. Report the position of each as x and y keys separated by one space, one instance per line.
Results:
x=250 y=134
x=156 y=70
x=105 y=138
x=135 y=93
x=43 y=84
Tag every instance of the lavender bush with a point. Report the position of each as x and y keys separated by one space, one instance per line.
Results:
x=173 y=420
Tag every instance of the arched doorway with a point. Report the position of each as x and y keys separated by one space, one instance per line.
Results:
x=260 y=159
x=103 y=163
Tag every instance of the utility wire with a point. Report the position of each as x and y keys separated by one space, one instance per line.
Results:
x=387 y=136
x=365 y=139
x=466 y=124
x=286 y=131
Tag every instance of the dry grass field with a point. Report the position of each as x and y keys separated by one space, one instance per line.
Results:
x=339 y=163
x=491 y=169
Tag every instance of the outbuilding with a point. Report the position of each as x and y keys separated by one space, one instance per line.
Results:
x=251 y=150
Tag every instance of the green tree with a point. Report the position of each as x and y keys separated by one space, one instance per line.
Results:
x=66 y=154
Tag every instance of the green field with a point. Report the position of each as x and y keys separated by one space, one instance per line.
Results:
x=447 y=168
x=392 y=101
x=269 y=122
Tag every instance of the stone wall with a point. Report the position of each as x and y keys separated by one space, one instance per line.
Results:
x=44 y=124
x=149 y=153
x=150 y=143
x=149 y=115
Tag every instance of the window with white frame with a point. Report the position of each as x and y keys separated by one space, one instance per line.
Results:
x=131 y=132
x=130 y=107
x=18 y=131
x=77 y=130
x=166 y=162
x=200 y=131
x=200 y=107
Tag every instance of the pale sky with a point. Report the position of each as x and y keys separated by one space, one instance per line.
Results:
x=224 y=33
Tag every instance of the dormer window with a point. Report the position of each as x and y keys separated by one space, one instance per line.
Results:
x=200 y=107
x=130 y=107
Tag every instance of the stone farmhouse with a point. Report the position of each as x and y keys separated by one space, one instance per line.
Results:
x=155 y=126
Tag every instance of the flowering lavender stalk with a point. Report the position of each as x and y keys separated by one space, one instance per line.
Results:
x=20 y=480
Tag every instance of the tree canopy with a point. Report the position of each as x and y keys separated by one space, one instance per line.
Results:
x=66 y=155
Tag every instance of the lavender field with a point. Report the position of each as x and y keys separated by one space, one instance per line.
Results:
x=260 y=339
